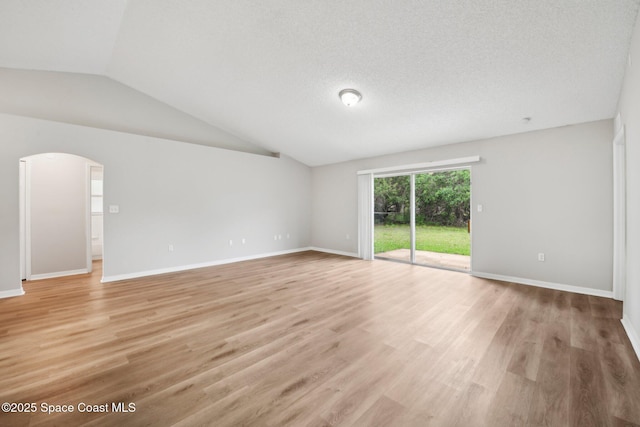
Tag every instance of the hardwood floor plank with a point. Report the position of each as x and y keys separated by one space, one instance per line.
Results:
x=550 y=402
x=386 y=412
x=526 y=357
x=491 y=367
x=587 y=391
x=512 y=402
x=604 y=307
x=473 y=407
x=618 y=422
x=333 y=400
x=620 y=374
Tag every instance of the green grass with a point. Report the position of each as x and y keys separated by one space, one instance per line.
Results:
x=444 y=240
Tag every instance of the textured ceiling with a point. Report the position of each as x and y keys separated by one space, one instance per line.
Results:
x=59 y=35
x=431 y=72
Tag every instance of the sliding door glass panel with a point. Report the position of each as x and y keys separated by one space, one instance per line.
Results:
x=392 y=218
x=442 y=210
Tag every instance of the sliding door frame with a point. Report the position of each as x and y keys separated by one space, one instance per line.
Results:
x=412 y=217
x=365 y=193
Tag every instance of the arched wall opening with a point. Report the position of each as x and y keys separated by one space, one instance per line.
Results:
x=60 y=215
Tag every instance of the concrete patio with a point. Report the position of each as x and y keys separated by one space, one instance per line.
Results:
x=434 y=259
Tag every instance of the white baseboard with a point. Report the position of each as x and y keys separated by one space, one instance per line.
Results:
x=58 y=274
x=12 y=293
x=547 y=285
x=633 y=335
x=331 y=251
x=117 y=277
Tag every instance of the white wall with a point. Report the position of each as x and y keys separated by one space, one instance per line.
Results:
x=194 y=197
x=546 y=191
x=58 y=213
x=629 y=108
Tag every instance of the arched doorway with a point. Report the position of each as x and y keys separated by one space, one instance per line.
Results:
x=60 y=194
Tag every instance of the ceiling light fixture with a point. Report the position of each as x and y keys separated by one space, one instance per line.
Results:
x=349 y=97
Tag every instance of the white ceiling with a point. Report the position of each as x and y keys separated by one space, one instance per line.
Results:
x=431 y=72
x=100 y=102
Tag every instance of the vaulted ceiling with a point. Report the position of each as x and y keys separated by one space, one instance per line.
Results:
x=431 y=72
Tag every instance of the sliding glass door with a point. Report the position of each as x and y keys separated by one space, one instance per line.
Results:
x=392 y=217
x=424 y=218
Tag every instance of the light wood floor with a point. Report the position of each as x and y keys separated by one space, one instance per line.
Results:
x=314 y=339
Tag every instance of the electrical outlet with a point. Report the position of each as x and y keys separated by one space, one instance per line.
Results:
x=541 y=257
x=244 y=240
x=170 y=247
x=230 y=242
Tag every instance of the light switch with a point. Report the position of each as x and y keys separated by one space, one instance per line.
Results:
x=114 y=209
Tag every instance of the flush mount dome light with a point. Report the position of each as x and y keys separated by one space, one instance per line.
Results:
x=350 y=97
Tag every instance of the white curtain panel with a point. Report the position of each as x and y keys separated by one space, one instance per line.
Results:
x=365 y=216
